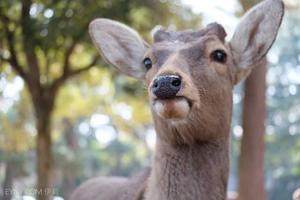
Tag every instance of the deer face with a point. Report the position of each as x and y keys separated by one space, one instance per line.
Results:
x=185 y=69
x=190 y=74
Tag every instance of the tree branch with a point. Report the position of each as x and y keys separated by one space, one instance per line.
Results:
x=12 y=60
x=86 y=68
x=59 y=81
x=68 y=52
x=28 y=42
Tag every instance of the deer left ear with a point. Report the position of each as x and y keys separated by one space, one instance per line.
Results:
x=120 y=46
x=255 y=35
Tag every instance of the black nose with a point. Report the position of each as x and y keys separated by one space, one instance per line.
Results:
x=167 y=86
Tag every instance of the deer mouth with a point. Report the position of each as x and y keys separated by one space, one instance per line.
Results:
x=172 y=108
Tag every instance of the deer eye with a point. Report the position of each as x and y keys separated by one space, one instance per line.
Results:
x=219 y=56
x=148 y=63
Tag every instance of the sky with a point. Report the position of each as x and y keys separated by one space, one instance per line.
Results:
x=216 y=11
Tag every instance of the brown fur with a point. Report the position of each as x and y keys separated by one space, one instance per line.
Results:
x=113 y=188
x=192 y=155
x=191 y=159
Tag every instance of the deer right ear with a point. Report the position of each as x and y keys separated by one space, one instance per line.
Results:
x=119 y=45
x=255 y=35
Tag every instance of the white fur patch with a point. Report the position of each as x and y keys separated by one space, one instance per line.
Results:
x=172 y=108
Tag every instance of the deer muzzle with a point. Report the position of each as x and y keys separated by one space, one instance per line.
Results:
x=167 y=101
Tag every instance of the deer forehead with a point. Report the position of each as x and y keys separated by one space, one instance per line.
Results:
x=193 y=50
x=163 y=34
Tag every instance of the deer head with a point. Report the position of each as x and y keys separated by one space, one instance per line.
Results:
x=190 y=74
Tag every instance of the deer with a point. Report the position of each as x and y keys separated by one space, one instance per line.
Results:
x=190 y=76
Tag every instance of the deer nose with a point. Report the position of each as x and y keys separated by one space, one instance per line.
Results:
x=167 y=86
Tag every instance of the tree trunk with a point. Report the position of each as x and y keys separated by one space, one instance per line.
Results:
x=44 y=162
x=44 y=105
x=7 y=191
x=251 y=162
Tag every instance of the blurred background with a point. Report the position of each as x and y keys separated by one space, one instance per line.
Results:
x=66 y=116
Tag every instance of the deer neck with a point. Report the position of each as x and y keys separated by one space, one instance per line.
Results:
x=196 y=171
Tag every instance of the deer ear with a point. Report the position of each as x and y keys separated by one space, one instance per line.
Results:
x=255 y=35
x=119 y=45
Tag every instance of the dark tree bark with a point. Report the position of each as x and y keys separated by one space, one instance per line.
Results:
x=251 y=161
x=43 y=106
x=44 y=164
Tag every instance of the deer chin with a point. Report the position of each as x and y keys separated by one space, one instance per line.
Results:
x=176 y=108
